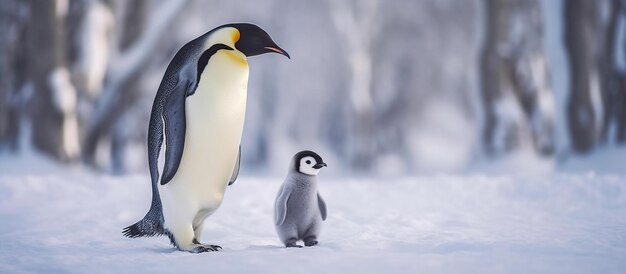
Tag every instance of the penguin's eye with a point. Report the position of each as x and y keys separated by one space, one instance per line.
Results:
x=308 y=162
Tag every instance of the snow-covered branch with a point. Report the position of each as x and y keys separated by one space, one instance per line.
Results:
x=128 y=63
x=124 y=67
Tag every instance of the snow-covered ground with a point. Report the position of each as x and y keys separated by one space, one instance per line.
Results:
x=71 y=221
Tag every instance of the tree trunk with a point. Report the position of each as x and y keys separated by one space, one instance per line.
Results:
x=362 y=144
x=53 y=103
x=12 y=30
x=489 y=69
x=580 y=24
x=517 y=99
x=612 y=81
x=44 y=42
x=134 y=22
x=358 y=22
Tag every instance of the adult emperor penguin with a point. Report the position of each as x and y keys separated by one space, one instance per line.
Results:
x=299 y=208
x=199 y=108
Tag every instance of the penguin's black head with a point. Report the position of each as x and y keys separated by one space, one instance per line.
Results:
x=308 y=162
x=255 y=41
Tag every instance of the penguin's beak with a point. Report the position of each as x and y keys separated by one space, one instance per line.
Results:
x=278 y=50
x=320 y=165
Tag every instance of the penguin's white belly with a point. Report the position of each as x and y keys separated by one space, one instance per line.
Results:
x=215 y=116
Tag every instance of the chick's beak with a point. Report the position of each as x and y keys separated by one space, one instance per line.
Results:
x=278 y=50
x=318 y=166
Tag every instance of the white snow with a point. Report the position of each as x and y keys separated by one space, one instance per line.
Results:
x=70 y=221
x=440 y=144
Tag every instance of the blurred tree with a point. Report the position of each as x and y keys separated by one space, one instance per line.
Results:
x=581 y=26
x=13 y=22
x=63 y=56
x=517 y=98
x=382 y=84
x=141 y=30
x=259 y=154
x=53 y=110
x=613 y=81
x=358 y=22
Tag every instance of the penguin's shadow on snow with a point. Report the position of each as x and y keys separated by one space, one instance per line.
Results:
x=281 y=247
x=262 y=247
x=164 y=250
x=172 y=250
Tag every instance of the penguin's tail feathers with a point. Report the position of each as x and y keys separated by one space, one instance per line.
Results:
x=151 y=225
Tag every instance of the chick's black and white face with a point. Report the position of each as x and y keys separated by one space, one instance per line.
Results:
x=309 y=163
x=306 y=166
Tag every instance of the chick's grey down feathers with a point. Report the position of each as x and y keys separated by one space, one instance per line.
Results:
x=299 y=209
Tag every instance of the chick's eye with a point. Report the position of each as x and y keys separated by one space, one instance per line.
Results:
x=308 y=162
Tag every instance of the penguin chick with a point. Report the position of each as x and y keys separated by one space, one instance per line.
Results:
x=299 y=208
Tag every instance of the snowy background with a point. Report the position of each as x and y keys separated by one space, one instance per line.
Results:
x=479 y=136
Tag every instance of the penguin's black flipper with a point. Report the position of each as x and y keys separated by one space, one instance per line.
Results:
x=174 y=111
x=175 y=129
x=233 y=177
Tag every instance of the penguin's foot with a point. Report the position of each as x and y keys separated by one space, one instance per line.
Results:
x=311 y=243
x=210 y=247
x=293 y=245
x=204 y=248
x=215 y=247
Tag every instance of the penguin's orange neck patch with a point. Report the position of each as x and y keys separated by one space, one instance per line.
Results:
x=239 y=58
x=235 y=36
